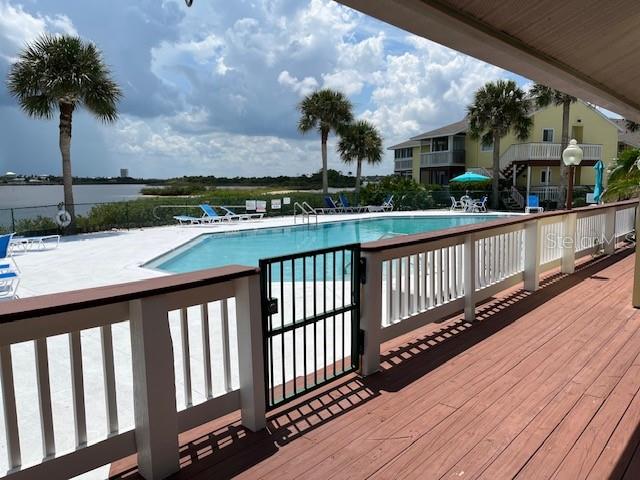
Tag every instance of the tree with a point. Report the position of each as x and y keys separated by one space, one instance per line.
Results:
x=63 y=73
x=359 y=142
x=497 y=108
x=545 y=96
x=325 y=110
x=624 y=176
x=632 y=126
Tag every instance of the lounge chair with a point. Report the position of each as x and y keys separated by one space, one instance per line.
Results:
x=457 y=205
x=330 y=207
x=387 y=205
x=533 y=204
x=9 y=278
x=231 y=215
x=479 y=207
x=209 y=215
x=29 y=243
x=344 y=203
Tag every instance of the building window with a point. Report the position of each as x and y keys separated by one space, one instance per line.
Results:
x=440 y=144
x=547 y=135
x=544 y=178
x=486 y=147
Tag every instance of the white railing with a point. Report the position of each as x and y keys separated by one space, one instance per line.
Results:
x=403 y=164
x=419 y=279
x=435 y=159
x=546 y=193
x=182 y=347
x=517 y=197
x=544 y=151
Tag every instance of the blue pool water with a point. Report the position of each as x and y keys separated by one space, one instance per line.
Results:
x=249 y=246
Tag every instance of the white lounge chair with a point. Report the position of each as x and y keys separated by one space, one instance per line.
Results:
x=9 y=271
x=479 y=207
x=231 y=215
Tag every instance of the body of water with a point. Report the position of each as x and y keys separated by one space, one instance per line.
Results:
x=249 y=246
x=14 y=196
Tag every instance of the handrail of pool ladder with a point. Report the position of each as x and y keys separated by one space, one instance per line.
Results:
x=306 y=210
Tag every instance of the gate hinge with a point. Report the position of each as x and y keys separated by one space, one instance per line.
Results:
x=363 y=271
x=272 y=306
x=361 y=335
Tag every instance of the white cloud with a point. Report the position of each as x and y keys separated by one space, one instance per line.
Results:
x=17 y=27
x=301 y=87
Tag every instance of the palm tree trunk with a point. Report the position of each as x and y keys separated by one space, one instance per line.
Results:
x=66 y=113
x=358 y=175
x=325 y=174
x=495 y=200
x=564 y=170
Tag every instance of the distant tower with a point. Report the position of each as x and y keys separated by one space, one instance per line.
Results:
x=124 y=172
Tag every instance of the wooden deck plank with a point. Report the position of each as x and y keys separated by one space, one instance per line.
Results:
x=551 y=369
x=336 y=443
x=546 y=383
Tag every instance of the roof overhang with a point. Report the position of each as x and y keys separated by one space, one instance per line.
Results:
x=588 y=49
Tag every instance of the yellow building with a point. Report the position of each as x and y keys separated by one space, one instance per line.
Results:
x=532 y=165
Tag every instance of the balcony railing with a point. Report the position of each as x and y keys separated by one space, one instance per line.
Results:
x=442 y=159
x=402 y=164
x=210 y=325
x=544 y=151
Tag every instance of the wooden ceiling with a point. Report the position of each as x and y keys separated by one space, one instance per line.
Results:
x=589 y=48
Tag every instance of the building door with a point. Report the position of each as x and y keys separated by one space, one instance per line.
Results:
x=577 y=133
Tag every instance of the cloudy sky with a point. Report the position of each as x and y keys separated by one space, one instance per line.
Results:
x=213 y=89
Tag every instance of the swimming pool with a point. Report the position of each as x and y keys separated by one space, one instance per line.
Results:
x=247 y=247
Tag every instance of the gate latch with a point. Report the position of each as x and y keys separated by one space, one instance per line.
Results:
x=272 y=306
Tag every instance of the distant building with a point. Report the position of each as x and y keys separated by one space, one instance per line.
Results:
x=124 y=172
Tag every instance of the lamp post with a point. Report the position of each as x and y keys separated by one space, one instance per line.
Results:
x=572 y=156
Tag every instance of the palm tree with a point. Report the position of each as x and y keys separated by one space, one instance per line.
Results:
x=325 y=110
x=545 y=96
x=63 y=72
x=497 y=108
x=359 y=142
x=632 y=126
x=624 y=176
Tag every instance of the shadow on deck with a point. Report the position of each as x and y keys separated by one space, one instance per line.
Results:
x=224 y=449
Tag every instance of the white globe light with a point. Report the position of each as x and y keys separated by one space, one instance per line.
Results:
x=572 y=155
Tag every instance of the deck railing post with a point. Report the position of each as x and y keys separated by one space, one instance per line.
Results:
x=469 y=272
x=610 y=231
x=636 y=271
x=250 y=352
x=532 y=242
x=371 y=314
x=154 y=391
x=568 y=259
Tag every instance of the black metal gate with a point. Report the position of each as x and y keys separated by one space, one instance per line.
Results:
x=310 y=314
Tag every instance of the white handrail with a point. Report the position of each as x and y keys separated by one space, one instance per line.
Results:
x=306 y=211
x=544 y=151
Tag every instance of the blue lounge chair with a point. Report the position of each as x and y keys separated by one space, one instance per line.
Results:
x=330 y=206
x=344 y=203
x=209 y=216
x=9 y=278
x=533 y=204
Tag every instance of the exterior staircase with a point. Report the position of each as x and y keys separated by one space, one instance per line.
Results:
x=507 y=170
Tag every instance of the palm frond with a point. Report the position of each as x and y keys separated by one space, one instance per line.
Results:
x=360 y=141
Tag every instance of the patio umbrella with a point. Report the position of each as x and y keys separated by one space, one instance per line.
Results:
x=470 y=177
x=597 y=190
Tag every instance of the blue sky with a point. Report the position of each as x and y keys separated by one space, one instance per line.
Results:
x=212 y=90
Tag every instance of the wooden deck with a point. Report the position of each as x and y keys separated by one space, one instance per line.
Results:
x=544 y=385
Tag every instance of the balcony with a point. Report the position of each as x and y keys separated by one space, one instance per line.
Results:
x=496 y=358
x=403 y=164
x=442 y=159
x=521 y=152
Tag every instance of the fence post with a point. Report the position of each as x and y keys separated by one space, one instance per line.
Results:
x=13 y=221
x=469 y=278
x=371 y=314
x=250 y=352
x=568 y=261
x=532 y=241
x=610 y=231
x=154 y=390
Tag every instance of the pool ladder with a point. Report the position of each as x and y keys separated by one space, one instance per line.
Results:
x=305 y=211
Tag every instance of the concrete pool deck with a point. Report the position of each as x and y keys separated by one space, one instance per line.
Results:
x=107 y=258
